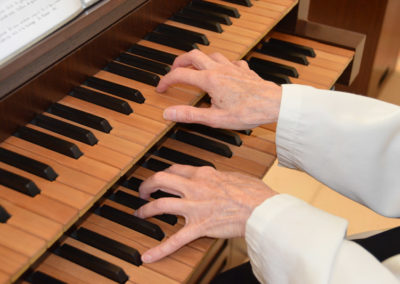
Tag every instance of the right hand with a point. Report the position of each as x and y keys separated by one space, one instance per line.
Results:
x=240 y=99
x=215 y=204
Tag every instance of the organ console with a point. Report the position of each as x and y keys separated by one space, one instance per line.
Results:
x=82 y=126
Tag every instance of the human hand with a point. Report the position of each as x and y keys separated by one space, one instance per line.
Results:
x=240 y=99
x=214 y=204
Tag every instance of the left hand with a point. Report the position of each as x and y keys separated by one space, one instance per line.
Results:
x=240 y=99
x=214 y=204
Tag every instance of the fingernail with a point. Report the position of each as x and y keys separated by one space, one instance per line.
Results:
x=170 y=114
x=146 y=258
x=137 y=213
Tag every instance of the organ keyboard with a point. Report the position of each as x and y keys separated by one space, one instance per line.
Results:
x=71 y=164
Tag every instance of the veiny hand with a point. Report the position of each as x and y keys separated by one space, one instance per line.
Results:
x=214 y=204
x=240 y=98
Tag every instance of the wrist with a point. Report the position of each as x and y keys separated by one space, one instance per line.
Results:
x=271 y=102
x=256 y=201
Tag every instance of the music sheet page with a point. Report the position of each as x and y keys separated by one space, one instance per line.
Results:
x=24 y=22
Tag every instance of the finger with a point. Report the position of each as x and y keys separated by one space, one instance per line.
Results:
x=195 y=58
x=182 y=170
x=168 y=205
x=218 y=57
x=170 y=183
x=172 y=244
x=187 y=114
x=183 y=75
x=241 y=64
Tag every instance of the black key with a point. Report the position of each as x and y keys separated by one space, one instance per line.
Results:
x=140 y=225
x=181 y=158
x=115 y=89
x=220 y=134
x=246 y=3
x=207 y=99
x=274 y=77
x=135 y=202
x=245 y=131
x=134 y=183
x=182 y=33
x=133 y=73
x=207 y=15
x=27 y=164
x=103 y=100
x=162 y=194
x=165 y=57
x=308 y=51
x=39 y=277
x=202 y=142
x=81 y=117
x=171 y=41
x=155 y=165
x=18 y=183
x=128 y=200
x=143 y=63
x=108 y=245
x=93 y=263
x=283 y=53
x=269 y=66
x=50 y=142
x=66 y=129
x=214 y=7
x=4 y=215
x=197 y=21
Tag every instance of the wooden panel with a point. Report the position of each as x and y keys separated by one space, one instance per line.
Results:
x=379 y=21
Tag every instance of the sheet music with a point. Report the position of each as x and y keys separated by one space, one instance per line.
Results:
x=24 y=22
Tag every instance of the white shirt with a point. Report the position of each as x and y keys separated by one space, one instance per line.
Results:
x=350 y=143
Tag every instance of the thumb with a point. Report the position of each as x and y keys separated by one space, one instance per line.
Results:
x=170 y=245
x=189 y=114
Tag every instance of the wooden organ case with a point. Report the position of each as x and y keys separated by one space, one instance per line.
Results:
x=67 y=102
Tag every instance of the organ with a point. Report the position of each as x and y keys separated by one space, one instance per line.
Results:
x=82 y=126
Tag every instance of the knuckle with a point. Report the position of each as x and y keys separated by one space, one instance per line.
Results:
x=214 y=54
x=160 y=204
x=186 y=115
x=205 y=171
x=159 y=177
x=194 y=52
x=212 y=78
x=174 y=167
x=179 y=71
x=217 y=55
x=209 y=75
x=243 y=63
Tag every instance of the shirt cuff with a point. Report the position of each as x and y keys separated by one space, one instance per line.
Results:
x=288 y=239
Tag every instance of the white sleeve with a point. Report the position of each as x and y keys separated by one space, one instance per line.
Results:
x=350 y=143
x=289 y=241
